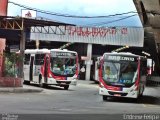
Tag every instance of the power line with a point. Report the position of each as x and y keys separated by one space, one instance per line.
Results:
x=104 y=23
x=68 y=15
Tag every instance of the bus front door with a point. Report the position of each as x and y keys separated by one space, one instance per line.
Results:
x=31 y=69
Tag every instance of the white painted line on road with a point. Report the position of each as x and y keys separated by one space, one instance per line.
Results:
x=64 y=109
x=151 y=105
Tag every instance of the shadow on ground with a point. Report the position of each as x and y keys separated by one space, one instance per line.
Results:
x=142 y=100
x=49 y=87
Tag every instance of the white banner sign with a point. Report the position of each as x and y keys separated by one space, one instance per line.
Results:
x=29 y=13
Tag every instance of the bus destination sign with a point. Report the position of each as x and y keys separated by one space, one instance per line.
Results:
x=62 y=54
x=119 y=58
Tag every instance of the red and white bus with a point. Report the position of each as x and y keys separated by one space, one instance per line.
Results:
x=122 y=75
x=96 y=70
x=32 y=64
x=60 y=68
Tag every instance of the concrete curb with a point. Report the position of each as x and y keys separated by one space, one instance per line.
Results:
x=32 y=89
x=19 y=90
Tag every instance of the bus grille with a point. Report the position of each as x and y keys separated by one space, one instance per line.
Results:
x=113 y=93
x=67 y=82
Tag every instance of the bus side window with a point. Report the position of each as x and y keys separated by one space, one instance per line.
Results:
x=27 y=59
x=39 y=59
x=42 y=59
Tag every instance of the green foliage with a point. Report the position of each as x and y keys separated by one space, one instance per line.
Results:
x=9 y=68
x=10 y=64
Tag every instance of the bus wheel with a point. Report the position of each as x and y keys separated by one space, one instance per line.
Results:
x=141 y=94
x=105 y=97
x=26 y=82
x=40 y=83
x=137 y=100
x=66 y=87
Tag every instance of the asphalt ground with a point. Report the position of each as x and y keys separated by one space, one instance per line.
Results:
x=31 y=88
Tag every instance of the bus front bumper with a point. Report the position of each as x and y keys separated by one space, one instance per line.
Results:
x=104 y=91
x=62 y=82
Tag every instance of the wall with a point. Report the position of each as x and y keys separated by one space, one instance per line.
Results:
x=2 y=44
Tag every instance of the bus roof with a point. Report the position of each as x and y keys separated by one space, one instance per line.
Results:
x=126 y=54
x=37 y=51
x=64 y=50
x=122 y=53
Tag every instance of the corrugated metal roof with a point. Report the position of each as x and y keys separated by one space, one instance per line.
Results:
x=29 y=22
x=131 y=36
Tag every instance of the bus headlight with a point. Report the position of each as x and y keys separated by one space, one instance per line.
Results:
x=134 y=89
x=50 y=75
x=101 y=85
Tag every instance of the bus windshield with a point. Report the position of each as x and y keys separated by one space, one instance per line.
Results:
x=119 y=73
x=63 y=66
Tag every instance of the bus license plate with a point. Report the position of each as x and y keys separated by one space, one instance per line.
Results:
x=117 y=95
x=63 y=83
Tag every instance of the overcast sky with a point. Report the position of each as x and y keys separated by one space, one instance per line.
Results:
x=82 y=8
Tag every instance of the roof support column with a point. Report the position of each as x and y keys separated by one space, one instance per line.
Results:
x=22 y=49
x=89 y=61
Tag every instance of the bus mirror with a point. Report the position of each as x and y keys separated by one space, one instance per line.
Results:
x=99 y=66
x=75 y=67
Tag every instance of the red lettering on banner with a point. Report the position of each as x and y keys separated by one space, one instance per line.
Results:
x=124 y=30
x=79 y=31
x=94 y=32
x=112 y=31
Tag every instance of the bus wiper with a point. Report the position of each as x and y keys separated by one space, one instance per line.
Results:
x=119 y=84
